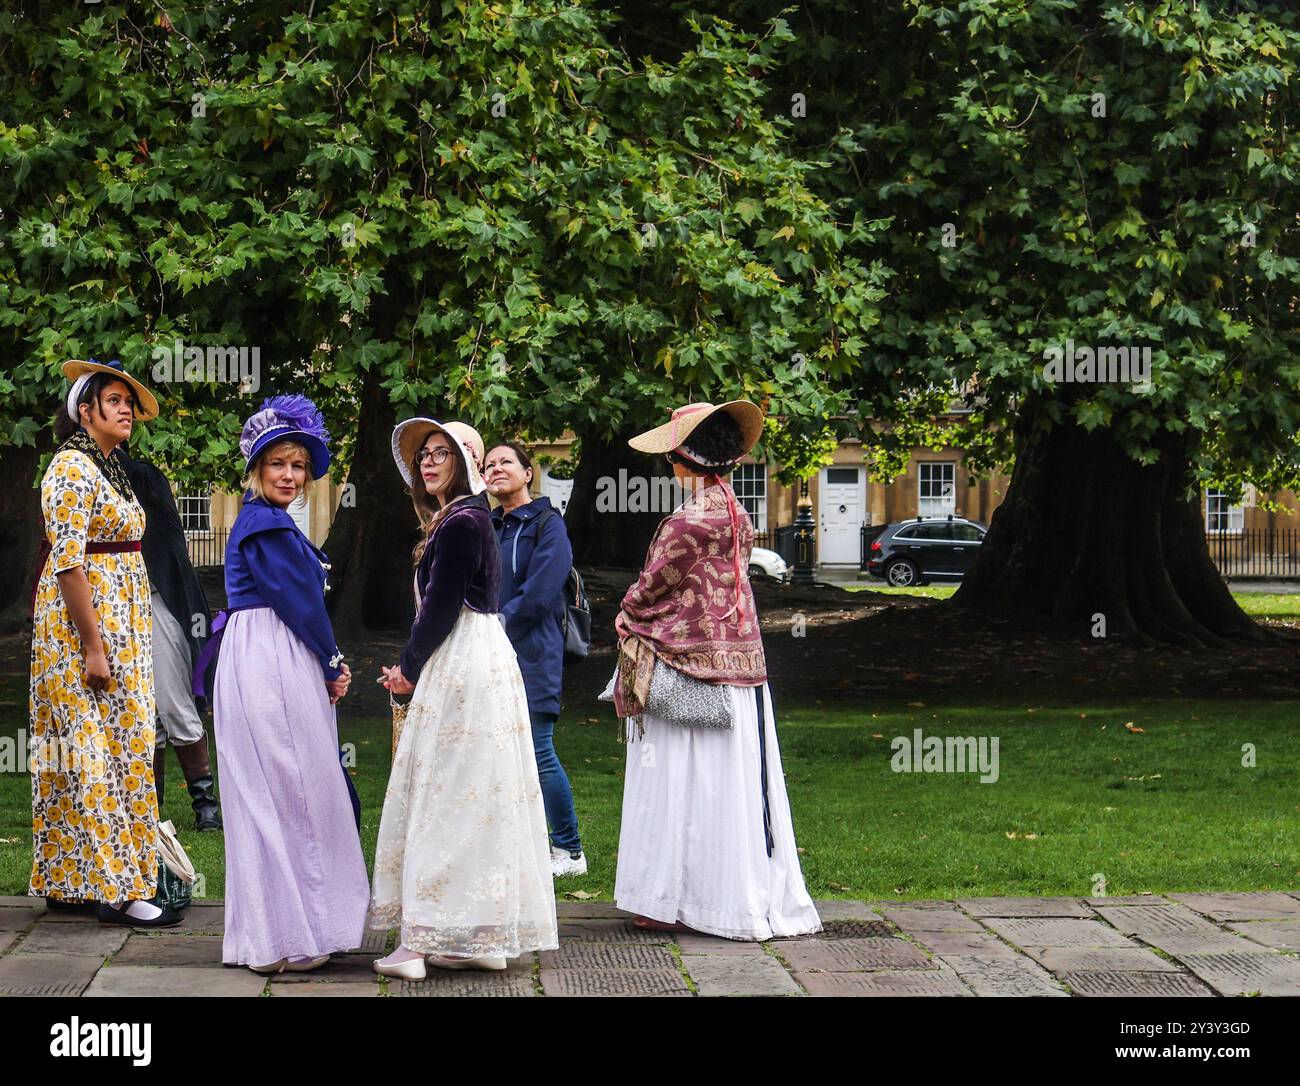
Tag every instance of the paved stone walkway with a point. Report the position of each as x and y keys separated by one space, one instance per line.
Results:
x=1182 y=944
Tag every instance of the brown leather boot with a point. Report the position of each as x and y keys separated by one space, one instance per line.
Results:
x=203 y=790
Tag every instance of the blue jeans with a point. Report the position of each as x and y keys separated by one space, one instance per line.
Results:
x=557 y=796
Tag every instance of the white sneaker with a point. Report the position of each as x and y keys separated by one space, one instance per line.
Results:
x=563 y=863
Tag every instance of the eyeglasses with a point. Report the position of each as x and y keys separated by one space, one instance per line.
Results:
x=438 y=456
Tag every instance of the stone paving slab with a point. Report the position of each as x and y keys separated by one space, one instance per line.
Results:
x=46 y=974
x=1025 y=906
x=195 y=950
x=609 y=931
x=1148 y=921
x=7 y=939
x=1065 y=959
x=912 y=982
x=1055 y=931
x=736 y=975
x=97 y=941
x=851 y=955
x=591 y=910
x=1134 y=984
x=593 y=955
x=1246 y=973
x=613 y=982
x=1249 y=906
x=1132 y=899
x=513 y=982
x=845 y=910
x=22 y=917
x=1201 y=942
x=207 y=919
x=713 y=944
x=1004 y=976
x=880 y=906
x=913 y=920
x=982 y=944
x=325 y=988
x=177 y=980
x=1279 y=934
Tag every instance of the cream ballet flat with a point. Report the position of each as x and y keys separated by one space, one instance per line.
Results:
x=413 y=969
x=441 y=961
x=274 y=967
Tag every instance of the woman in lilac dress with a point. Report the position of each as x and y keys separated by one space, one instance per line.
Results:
x=296 y=885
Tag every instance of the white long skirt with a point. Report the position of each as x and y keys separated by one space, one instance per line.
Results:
x=462 y=862
x=693 y=847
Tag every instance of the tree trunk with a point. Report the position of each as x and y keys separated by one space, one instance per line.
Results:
x=370 y=541
x=1091 y=540
x=615 y=537
x=20 y=533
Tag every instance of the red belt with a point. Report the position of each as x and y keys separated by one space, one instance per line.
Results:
x=112 y=548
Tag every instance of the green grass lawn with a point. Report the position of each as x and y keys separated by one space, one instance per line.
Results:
x=1170 y=808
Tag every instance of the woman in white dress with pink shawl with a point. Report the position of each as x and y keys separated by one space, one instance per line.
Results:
x=707 y=841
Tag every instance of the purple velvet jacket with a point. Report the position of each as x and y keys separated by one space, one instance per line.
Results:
x=461 y=567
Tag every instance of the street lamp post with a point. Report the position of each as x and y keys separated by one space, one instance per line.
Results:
x=805 y=539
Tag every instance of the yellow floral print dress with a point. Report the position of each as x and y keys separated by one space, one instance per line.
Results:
x=94 y=810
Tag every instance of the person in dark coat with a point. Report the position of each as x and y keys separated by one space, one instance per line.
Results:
x=535 y=561
x=181 y=619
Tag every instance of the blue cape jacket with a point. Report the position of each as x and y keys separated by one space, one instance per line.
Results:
x=270 y=563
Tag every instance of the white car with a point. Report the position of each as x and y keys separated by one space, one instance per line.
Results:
x=766 y=563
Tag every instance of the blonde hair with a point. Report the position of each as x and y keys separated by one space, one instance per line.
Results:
x=253 y=480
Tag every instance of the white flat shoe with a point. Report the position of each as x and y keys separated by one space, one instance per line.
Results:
x=306 y=966
x=274 y=967
x=413 y=969
x=441 y=961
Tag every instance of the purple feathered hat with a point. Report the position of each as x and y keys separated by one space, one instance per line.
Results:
x=287 y=418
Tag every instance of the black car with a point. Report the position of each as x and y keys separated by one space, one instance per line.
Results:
x=914 y=552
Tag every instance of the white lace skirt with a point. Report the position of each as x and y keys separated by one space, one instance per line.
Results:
x=462 y=864
x=693 y=846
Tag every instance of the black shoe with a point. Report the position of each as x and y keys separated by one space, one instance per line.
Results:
x=203 y=798
x=109 y=915
x=66 y=905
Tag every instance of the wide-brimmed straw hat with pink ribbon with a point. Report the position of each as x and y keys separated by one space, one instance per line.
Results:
x=674 y=434
x=413 y=433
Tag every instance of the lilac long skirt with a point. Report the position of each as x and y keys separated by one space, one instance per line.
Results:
x=296 y=883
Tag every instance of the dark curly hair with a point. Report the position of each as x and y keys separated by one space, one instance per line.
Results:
x=719 y=440
x=64 y=427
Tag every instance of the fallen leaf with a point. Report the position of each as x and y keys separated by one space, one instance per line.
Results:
x=1134 y=729
x=580 y=895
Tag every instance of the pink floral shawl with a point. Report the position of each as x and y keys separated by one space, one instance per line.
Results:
x=692 y=606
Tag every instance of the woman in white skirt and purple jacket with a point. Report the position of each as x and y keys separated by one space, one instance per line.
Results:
x=462 y=863
x=707 y=842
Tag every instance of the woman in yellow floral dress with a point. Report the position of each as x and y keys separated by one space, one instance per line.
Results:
x=94 y=811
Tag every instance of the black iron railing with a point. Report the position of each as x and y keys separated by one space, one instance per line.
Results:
x=1256 y=552
x=208 y=548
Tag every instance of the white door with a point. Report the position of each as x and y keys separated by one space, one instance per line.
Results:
x=558 y=490
x=840 y=538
